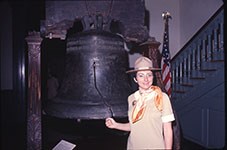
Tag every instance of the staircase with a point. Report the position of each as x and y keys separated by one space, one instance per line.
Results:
x=198 y=85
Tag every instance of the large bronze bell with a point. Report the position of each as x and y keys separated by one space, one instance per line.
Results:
x=95 y=85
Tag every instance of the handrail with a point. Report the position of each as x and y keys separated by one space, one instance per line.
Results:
x=221 y=9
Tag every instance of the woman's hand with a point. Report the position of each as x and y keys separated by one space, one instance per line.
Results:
x=110 y=123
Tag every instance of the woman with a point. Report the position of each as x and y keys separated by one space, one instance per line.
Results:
x=149 y=112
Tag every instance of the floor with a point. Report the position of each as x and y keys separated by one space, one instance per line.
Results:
x=87 y=135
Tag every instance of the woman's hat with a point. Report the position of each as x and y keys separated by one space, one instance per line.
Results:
x=143 y=63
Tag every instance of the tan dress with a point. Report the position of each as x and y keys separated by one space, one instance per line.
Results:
x=147 y=133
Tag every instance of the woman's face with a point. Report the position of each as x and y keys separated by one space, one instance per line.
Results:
x=144 y=79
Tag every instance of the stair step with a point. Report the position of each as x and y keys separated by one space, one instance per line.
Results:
x=179 y=91
x=187 y=84
x=220 y=60
x=212 y=64
x=208 y=70
x=197 y=78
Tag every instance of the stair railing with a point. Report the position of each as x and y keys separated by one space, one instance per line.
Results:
x=205 y=47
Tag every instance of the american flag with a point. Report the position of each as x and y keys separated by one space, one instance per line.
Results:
x=166 y=72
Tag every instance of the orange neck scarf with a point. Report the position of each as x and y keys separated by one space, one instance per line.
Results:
x=140 y=106
x=158 y=98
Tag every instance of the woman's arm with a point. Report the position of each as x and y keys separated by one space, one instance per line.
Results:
x=168 y=135
x=111 y=123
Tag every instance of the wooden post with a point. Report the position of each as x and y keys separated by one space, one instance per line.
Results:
x=150 y=49
x=34 y=140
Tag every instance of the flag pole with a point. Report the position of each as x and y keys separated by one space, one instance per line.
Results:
x=166 y=70
x=166 y=77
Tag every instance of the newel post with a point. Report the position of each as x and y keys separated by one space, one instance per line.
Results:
x=34 y=140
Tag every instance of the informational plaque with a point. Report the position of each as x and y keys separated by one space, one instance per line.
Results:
x=64 y=145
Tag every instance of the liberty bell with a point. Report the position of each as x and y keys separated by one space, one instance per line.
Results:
x=95 y=83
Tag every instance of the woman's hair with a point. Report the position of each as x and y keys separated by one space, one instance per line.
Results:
x=154 y=79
